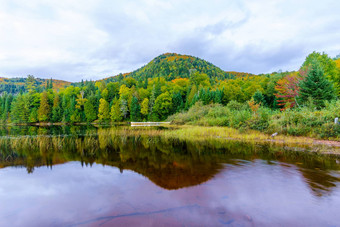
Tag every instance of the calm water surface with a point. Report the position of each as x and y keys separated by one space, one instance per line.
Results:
x=92 y=177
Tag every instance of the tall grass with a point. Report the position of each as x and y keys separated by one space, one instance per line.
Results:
x=304 y=121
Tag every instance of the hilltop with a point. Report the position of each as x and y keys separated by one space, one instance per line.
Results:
x=173 y=66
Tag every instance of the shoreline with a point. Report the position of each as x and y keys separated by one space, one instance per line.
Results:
x=196 y=133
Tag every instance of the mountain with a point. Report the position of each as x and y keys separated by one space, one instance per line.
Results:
x=172 y=66
x=168 y=65
x=15 y=85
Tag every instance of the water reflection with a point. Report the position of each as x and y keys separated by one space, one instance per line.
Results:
x=169 y=163
x=97 y=176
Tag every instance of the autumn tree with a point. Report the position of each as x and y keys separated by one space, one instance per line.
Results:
x=288 y=89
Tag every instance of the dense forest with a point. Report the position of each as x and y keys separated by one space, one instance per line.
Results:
x=170 y=84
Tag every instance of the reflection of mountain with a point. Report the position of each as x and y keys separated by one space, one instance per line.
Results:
x=169 y=163
x=175 y=176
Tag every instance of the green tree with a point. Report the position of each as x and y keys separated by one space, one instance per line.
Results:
x=259 y=98
x=190 y=98
x=30 y=84
x=316 y=87
x=44 y=109
x=104 y=110
x=177 y=102
x=19 y=109
x=135 y=109
x=115 y=113
x=163 y=105
x=328 y=65
x=90 y=109
x=33 y=116
x=56 y=109
x=145 y=107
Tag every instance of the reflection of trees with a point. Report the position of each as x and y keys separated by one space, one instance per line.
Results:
x=320 y=181
x=169 y=163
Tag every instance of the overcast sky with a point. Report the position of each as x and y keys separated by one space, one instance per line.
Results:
x=92 y=39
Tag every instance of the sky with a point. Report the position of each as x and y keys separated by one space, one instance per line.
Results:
x=94 y=39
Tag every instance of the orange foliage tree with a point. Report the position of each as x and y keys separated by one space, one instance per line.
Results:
x=288 y=89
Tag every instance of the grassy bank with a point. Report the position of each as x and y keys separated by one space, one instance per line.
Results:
x=200 y=133
x=304 y=121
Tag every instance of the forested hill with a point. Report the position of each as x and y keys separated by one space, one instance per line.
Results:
x=17 y=85
x=173 y=66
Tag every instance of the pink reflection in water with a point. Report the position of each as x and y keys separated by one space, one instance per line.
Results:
x=242 y=194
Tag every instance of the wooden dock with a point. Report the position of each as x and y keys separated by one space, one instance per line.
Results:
x=135 y=124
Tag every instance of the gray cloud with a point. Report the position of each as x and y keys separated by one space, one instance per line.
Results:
x=92 y=39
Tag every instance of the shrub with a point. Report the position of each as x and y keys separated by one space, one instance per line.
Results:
x=329 y=130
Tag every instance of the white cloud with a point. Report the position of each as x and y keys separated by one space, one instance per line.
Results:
x=93 y=39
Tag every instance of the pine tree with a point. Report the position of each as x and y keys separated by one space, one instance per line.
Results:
x=316 y=87
x=90 y=109
x=20 y=111
x=30 y=84
x=44 y=109
x=191 y=96
x=259 y=98
x=56 y=110
x=177 y=102
x=135 y=109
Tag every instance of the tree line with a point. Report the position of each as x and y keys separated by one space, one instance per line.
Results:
x=153 y=97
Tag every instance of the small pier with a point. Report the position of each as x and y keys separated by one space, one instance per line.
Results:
x=135 y=124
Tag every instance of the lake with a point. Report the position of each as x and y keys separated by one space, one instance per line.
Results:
x=88 y=176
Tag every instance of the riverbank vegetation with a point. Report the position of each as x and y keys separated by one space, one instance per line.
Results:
x=189 y=90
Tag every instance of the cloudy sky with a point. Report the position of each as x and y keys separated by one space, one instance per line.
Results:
x=92 y=39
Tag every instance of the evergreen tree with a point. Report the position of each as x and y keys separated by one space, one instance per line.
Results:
x=30 y=84
x=190 y=99
x=135 y=109
x=20 y=112
x=66 y=108
x=33 y=116
x=6 y=107
x=90 y=109
x=51 y=84
x=259 y=98
x=177 y=102
x=104 y=110
x=316 y=86
x=44 y=109
x=56 y=110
